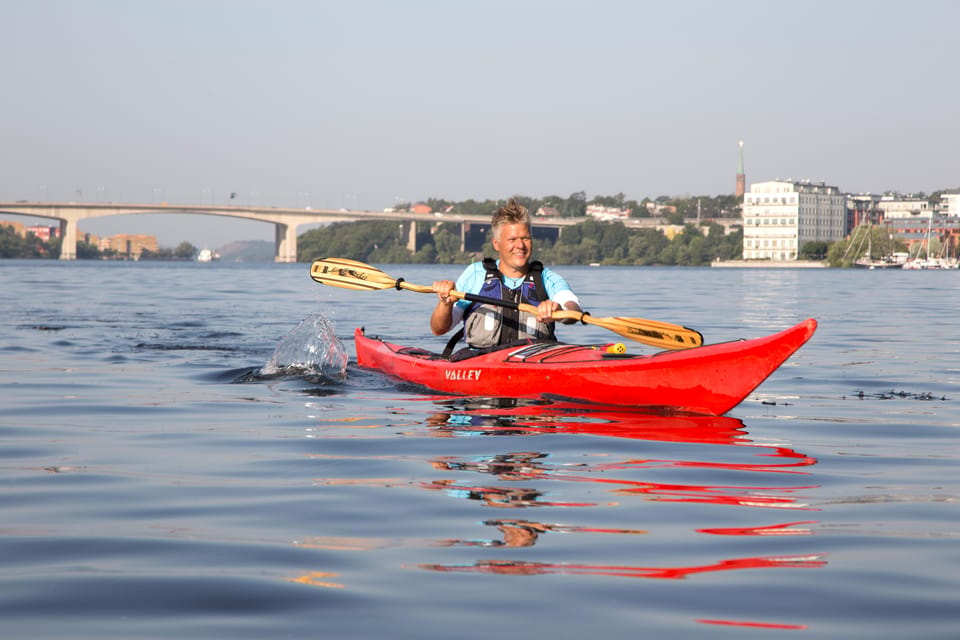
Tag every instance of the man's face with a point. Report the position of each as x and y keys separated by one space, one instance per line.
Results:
x=513 y=244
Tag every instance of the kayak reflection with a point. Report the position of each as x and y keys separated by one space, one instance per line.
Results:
x=507 y=567
x=630 y=477
x=512 y=416
x=533 y=469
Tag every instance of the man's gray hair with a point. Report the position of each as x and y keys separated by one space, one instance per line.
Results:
x=511 y=213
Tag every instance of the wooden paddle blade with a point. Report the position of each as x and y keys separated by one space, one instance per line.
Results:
x=350 y=274
x=663 y=335
x=651 y=332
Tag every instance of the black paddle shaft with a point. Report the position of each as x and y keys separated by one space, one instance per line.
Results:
x=509 y=304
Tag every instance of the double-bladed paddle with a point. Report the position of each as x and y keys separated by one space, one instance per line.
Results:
x=350 y=274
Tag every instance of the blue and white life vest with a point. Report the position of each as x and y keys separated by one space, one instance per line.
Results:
x=489 y=325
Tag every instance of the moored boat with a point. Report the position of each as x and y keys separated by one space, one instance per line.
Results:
x=208 y=255
x=931 y=263
x=711 y=379
x=892 y=261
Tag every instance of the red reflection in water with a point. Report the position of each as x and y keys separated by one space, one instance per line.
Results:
x=507 y=567
x=518 y=472
x=505 y=416
x=754 y=625
x=510 y=417
x=796 y=460
x=766 y=497
x=770 y=530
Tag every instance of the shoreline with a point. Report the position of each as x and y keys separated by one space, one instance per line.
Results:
x=769 y=264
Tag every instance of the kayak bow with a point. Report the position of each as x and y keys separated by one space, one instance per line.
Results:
x=711 y=379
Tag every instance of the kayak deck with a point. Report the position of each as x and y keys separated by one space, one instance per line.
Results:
x=711 y=379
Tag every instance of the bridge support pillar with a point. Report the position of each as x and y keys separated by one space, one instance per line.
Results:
x=68 y=239
x=412 y=236
x=286 y=243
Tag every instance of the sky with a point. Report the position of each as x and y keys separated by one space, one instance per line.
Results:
x=366 y=103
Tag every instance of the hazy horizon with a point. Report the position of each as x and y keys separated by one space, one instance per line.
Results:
x=361 y=105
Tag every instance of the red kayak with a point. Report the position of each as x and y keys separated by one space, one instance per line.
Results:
x=711 y=379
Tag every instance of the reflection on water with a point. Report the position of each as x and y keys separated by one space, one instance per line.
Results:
x=759 y=307
x=782 y=529
x=524 y=533
x=318 y=579
x=525 y=478
x=507 y=466
x=754 y=625
x=501 y=417
x=510 y=416
x=514 y=567
x=505 y=497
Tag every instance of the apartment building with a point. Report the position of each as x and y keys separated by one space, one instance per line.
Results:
x=129 y=245
x=780 y=216
x=897 y=207
x=950 y=203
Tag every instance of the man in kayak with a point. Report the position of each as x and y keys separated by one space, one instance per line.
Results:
x=512 y=277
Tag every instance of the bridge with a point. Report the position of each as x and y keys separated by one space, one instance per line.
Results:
x=285 y=220
x=473 y=228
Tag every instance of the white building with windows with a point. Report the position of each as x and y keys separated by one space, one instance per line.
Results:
x=950 y=203
x=779 y=217
x=895 y=207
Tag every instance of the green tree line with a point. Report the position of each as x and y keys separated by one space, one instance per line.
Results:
x=591 y=241
x=575 y=205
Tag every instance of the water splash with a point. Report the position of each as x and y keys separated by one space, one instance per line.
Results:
x=311 y=350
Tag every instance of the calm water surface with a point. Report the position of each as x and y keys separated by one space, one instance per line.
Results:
x=180 y=457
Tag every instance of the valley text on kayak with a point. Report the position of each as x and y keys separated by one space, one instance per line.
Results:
x=463 y=374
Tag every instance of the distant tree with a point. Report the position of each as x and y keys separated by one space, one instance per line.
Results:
x=446 y=238
x=610 y=201
x=11 y=244
x=640 y=210
x=837 y=254
x=814 y=250
x=365 y=241
x=87 y=251
x=54 y=246
x=575 y=206
x=185 y=251
x=645 y=246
